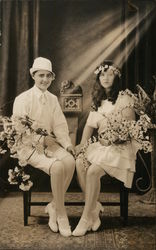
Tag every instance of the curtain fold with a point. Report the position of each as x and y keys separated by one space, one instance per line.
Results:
x=136 y=49
x=19 y=46
x=4 y=55
x=22 y=47
x=36 y=27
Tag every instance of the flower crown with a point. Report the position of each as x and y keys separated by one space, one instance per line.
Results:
x=103 y=68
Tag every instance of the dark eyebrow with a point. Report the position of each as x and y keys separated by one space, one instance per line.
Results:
x=42 y=74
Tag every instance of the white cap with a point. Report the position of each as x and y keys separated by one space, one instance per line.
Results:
x=41 y=63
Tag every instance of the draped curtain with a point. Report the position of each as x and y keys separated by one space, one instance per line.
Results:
x=138 y=59
x=19 y=47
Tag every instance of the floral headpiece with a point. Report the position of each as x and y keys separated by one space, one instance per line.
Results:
x=103 y=68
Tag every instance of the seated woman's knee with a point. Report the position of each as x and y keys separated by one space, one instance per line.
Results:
x=57 y=168
x=93 y=171
x=69 y=163
x=72 y=161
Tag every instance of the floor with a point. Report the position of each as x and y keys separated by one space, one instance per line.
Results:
x=139 y=234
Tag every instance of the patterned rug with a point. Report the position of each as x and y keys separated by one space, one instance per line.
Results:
x=140 y=233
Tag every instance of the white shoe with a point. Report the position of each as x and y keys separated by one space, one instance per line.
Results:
x=96 y=220
x=82 y=227
x=50 y=209
x=63 y=225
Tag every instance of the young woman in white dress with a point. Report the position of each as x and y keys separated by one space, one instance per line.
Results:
x=116 y=160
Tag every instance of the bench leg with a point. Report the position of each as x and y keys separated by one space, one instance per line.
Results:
x=124 y=203
x=29 y=201
x=121 y=201
x=125 y=210
x=25 y=206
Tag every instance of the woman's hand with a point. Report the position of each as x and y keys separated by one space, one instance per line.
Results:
x=104 y=142
x=71 y=150
x=78 y=149
x=49 y=140
x=50 y=143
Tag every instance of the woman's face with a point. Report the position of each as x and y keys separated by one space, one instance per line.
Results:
x=43 y=79
x=106 y=78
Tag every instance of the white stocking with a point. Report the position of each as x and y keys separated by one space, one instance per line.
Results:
x=57 y=184
x=81 y=174
x=93 y=185
x=69 y=167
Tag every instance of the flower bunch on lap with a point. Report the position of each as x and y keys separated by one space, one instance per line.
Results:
x=21 y=136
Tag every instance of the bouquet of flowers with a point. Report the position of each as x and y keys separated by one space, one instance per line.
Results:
x=119 y=130
x=19 y=134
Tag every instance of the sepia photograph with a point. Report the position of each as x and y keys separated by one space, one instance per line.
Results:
x=77 y=124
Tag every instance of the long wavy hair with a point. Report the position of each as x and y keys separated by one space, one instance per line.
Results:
x=98 y=92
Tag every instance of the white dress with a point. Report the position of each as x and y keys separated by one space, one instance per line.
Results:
x=117 y=160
